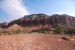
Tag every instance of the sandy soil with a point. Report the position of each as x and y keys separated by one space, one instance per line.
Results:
x=36 y=42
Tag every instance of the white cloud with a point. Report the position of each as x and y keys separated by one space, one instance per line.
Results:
x=14 y=8
x=60 y=13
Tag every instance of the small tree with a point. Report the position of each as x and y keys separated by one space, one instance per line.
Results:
x=58 y=29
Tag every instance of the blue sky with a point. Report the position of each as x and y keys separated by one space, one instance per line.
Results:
x=19 y=8
x=51 y=6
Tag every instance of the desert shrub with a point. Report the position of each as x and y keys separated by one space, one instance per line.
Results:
x=41 y=31
x=70 y=31
x=17 y=31
x=58 y=29
x=1 y=30
x=4 y=31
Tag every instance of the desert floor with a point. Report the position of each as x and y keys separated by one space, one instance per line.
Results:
x=36 y=42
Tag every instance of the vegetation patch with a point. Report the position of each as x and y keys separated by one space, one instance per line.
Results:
x=58 y=30
x=41 y=31
x=70 y=31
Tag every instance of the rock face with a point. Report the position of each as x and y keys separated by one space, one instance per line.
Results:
x=29 y=20
x=64 y=19
x=42 y=19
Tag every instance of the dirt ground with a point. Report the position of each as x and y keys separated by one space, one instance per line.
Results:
x=36 y=42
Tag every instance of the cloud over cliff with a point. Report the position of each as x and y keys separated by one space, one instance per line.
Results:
x=14 y=8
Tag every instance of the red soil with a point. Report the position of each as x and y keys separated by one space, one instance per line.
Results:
x=36 y=42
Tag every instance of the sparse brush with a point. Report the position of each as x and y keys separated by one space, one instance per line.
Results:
x=70 y=31
x=18 y=31
x=1 y=30
x=41 y=31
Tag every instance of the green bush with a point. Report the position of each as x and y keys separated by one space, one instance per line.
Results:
x=41 y=31
x=58 y=29
x=70 y=31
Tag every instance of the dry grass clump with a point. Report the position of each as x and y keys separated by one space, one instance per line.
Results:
x=3 y=31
